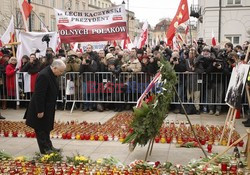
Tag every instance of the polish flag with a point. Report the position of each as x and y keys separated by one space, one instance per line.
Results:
x=58 y=44
x=181 y=16
x=127 y=43
x=213 y=39
x=29 y=82
x=136 y=41
x=180 y=38
x=114 y=43
x=9 y=33
x=144 y=36
x=25 y=9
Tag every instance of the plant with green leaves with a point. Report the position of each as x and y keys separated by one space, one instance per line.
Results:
x=149 y=117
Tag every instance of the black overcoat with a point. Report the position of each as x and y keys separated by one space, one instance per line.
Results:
x=43 y=100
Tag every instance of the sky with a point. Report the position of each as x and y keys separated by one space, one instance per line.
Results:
x=153 y=10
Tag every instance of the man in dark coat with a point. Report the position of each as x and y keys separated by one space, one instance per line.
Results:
x=40 y=114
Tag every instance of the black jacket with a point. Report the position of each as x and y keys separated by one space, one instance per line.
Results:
x=43 y=100
x=31 y=68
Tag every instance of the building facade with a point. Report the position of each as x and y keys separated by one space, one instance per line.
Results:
x=228 y=19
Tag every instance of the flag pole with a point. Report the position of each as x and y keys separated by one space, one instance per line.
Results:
x=190 y=32
x=30 y=27
x=41 y=20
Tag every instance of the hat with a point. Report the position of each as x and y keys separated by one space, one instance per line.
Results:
x=109 y=55
x=206 y=48
x=71 y=53
x=111 y=61
x=175 y=54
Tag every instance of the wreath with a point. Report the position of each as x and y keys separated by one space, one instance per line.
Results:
x=150 y=116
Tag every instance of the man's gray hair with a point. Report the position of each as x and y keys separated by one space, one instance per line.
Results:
x=58 y=63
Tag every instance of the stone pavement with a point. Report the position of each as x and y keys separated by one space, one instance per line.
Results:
x=98 y=149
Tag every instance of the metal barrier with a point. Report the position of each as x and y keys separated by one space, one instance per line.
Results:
x=20 y=87
x=126 y=87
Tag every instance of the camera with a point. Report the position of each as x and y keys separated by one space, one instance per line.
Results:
x=71 y=59
x=175 y=59
x=88 y=61
x=46 y=38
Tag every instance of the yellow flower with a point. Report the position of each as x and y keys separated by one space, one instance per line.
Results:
x=20 y=158
x=99 y=161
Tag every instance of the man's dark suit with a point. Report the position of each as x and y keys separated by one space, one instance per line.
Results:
x=43 y=100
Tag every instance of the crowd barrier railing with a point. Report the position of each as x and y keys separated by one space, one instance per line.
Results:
x=126 y=87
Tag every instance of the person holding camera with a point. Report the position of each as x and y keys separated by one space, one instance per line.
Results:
x=216 y=84
x=48 y=59
x=87 y=68
x=72 y=62
x=179 y=65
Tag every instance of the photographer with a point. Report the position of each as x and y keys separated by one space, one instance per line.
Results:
x=48 y=59
x=216 y=84
x=224 y=55
x=200 y=44
x=88 y=64
x=179 y=65
x=72 y=62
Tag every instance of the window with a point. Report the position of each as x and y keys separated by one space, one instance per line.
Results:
x=32 y=21
x=233 y=2
x=102 y=5
x=52 y=3
x=83 y=5
x=95 y=3
x=42 y=17
x=99 y=4
x=77 y=5
x=234 y=39
x=41 y=1
x=53 y=24
x=106 y=5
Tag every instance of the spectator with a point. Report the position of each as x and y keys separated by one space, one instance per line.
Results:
x=216 y=85
x=72 y=62
x=25 y=59
x=193 y=89
x=4 y=58
x=11 y=79
x=102 y=67
x=88 y=64
x=179 y=65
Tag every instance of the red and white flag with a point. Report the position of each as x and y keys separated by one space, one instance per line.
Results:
x=127 y=43
x=9 y=33
x=144 y=36
x=29 y=82
x=114 y=43
x=25 y=9
x=176 y=44
x=213 y=39
x=150 y=86
x=58 y=43
x=181 y=16
x=180 y=38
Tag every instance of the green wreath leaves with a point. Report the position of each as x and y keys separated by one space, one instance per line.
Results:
x=149 y=117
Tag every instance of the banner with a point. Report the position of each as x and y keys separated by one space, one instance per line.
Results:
x=31 y=41
x=97 y=25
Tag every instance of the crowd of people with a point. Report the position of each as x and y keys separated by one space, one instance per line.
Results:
x=199 y=58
